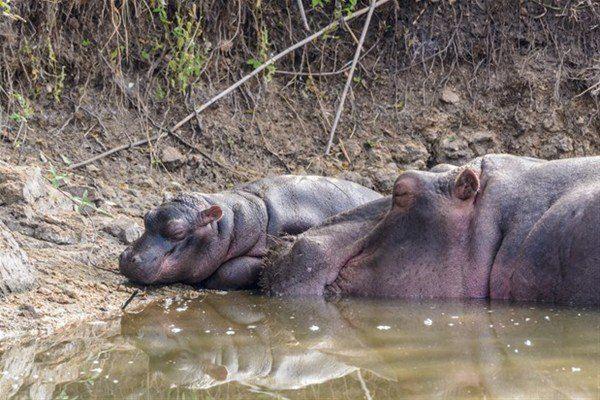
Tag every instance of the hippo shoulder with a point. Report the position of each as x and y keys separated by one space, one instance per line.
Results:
x=296 y=203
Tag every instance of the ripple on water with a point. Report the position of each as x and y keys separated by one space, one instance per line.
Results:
x=237 y=345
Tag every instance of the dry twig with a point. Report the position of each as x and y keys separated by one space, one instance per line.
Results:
x=275 y=58
x=124 y=306
x=303 y=14
x=338 y=113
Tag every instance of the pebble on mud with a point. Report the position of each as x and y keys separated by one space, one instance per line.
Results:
x=21 y=184
x=171 y=157
x=384 y=180
x=356 y=178
x=556 y=146
x=27 y=310
x=411 y=154
x=449 y=96
x=126 y=231
x=481 y=141
x=452 y=149
x=131 y=233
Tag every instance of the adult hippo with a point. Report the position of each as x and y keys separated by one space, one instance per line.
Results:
x=220 y=239
x=502 y=227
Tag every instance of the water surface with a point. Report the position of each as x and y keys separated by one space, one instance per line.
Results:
x=238 y=346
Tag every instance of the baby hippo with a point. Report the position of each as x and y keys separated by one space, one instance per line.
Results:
x=220 y=239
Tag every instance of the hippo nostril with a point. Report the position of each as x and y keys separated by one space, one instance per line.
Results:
x=125 y=255
x=136 y=259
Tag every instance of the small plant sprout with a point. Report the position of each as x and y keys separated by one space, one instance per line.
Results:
x=56 y=178
x=83 y=201
x=263 y=50
x=5 y=11
x=349 y=6
x=187 y=56
x=24 y=112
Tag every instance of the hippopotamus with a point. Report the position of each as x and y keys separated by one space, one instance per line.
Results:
x=219 y=240
x=499 y=227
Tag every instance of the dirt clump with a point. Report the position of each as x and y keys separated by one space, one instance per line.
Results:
x=16 y=274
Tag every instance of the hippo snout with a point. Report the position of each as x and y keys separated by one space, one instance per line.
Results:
x=127 y=260
x=135 y=268
x=124 y=256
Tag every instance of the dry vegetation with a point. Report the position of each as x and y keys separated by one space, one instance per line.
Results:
x=161 y=58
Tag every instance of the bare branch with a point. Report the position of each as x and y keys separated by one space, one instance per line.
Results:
x=303 y=14
x=338 y=113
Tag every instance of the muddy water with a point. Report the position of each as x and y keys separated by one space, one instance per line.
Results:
x=236 y=346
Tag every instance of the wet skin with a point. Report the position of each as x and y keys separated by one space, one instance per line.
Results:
x=219 y=240
x=500 y=227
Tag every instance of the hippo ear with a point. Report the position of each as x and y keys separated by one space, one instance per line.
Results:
x=210 y=215
x=466 y=185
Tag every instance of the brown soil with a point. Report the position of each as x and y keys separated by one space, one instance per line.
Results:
x=448 y=110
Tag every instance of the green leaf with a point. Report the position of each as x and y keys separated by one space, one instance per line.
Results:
x=16 y=117
x=254 y=63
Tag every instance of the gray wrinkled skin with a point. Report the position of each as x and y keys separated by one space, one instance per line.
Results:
x=501 y=227
x=220 y=239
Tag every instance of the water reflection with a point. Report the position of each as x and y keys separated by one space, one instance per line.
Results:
x=242 y=346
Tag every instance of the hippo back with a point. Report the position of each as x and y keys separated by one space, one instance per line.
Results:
x=296 y=203
x=545 y=217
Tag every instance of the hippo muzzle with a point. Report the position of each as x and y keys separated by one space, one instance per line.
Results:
x=135 y=269
x=144 y=262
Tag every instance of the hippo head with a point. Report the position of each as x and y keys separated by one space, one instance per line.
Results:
x=420 y=248
x=418 y=243
x=179 y=237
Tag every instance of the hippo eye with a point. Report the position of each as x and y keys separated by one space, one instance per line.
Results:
x=404 y=192
x=403 y=199
x=177 y=234
x=175 y=231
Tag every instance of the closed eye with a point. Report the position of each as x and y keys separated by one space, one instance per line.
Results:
x=175 y=230
x=176 y=235
x=404 y=199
